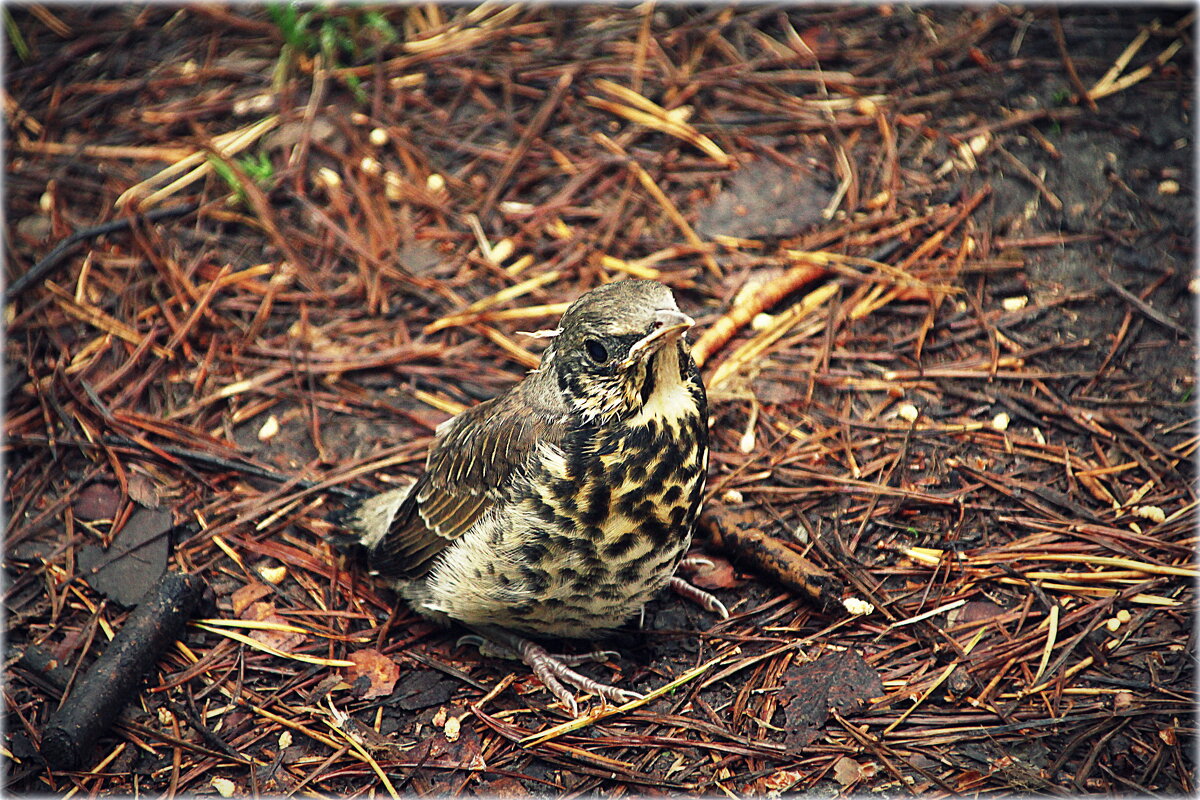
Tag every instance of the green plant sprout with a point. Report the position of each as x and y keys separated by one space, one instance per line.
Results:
x=353 y=34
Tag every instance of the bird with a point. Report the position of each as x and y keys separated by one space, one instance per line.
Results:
x=560 y=507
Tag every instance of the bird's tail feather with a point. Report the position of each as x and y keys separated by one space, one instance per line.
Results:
x=363 y=521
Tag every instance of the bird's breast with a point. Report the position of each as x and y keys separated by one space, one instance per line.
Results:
x=619 y=511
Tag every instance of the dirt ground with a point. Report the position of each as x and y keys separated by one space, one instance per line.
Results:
x=941 y=261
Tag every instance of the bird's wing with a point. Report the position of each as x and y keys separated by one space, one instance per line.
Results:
x=472 y=462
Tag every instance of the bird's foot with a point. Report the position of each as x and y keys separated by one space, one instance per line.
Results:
x=693 y=563
x=552 y=669
x=493 y=649
x=705 y=600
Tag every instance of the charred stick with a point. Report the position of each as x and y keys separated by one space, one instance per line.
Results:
x=738 y=534
x=60 y=251
x=108 y=685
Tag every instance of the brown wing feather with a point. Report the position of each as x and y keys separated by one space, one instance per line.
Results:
x=465 y=475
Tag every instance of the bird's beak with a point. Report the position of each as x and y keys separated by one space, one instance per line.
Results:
x=669 y=325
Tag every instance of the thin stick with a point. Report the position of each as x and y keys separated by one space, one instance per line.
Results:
x=1061 y=40
x=650 y=186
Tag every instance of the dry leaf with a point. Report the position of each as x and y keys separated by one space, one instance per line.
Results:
x=143 y=490
x=505 y=787
x=379 y=671
x=821 y=43
x=781 y=780
x=224 y=786
x=423 y=689
x=138 y=556
x=847 y=771
x=842 y=681
x=248 y=594
x=279 y=640
x=97 y=501
x=720 y=574
x=463 y=752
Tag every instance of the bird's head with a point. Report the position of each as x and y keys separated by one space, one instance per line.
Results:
x=615 y=345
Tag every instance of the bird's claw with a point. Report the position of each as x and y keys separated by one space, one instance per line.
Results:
x=487 y=647
x=705 y=600
x=492 y=649
x=574 y=660
x=552 y=669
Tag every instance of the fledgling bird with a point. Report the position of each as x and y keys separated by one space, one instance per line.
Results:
x=562 y=506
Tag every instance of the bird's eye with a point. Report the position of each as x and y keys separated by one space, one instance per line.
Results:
x=596 y=351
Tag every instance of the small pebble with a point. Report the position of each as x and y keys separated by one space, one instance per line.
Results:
x=370 y=166
x=273 y=575
x=407 y=81
x=1152 y=513
x=328 y=178
x=392 y=187
x=857 y=607
x=502 y=251
x=865 y=106
x=269 y=429
x=453 y=729
x=879 y=200
x=35 y=226
x=253 y=105
x=761 y=321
